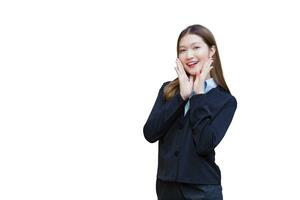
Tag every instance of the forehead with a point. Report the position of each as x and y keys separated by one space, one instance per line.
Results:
x=190 y=39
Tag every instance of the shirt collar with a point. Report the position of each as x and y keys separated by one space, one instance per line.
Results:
x=210 y=83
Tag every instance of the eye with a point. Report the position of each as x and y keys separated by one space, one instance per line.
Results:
x=197 y=47
x=182 y=50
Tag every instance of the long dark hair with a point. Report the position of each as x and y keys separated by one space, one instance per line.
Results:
x=216 y=72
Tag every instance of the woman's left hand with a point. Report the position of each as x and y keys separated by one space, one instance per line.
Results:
x=199 y=82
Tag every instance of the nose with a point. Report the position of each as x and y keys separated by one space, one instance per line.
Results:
x=189 y=54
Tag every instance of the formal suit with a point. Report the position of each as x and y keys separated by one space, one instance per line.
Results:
x=188 y=132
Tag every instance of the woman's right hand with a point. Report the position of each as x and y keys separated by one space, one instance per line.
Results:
x=185 y=82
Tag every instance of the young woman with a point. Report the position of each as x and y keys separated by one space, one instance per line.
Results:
x=189 y=119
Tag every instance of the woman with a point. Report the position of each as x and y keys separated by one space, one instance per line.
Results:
x=189 y=119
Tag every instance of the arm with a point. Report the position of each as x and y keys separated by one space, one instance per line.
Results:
x=208 y=132
x=162 y=116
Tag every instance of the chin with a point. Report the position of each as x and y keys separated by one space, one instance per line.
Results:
x=193 y=73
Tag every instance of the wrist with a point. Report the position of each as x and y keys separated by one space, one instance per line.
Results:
x=200 y=92
x=183 y=97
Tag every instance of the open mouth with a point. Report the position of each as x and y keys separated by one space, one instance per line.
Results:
x=192 y=64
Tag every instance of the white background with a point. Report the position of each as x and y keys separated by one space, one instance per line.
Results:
x=78 y=80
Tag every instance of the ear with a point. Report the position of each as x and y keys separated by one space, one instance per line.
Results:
x=212 y=51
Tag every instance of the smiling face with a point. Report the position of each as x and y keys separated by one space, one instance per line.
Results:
x=193 y=53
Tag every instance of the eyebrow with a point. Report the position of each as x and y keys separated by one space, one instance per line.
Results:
x=191 y=44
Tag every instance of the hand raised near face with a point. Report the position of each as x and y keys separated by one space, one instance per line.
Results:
x=199 y=82
x=185 y=82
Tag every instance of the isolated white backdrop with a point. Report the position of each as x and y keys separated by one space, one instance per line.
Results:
x=78 y=80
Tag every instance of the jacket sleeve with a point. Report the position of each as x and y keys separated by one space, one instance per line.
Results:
x=162 y=115
x=207 y=131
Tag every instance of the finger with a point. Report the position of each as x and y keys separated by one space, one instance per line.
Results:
x=191 y=78
x=179 y=73
x=195 y=79
x=181 y=69
x=204 y=66
x=177 y=67
x=209 y=62
x=176 y=71
x=180 y=66
x=207 y=71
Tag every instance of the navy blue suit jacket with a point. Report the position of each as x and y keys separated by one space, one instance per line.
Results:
x=186 y=143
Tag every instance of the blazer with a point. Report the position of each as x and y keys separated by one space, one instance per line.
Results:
x=186 y=143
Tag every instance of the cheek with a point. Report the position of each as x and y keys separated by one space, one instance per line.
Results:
x=203 y=54
x=181 y=58
x=203 y=57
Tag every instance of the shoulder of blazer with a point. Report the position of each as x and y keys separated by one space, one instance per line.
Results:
x=166 y=83
x=222 y=94
x=218 y=96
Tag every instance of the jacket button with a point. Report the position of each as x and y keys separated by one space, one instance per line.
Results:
x=176 y=153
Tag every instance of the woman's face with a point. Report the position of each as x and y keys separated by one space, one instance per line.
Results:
x=193 y=52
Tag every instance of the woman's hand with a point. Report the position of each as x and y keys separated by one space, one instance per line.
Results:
x=199 y=82
x=185 y=82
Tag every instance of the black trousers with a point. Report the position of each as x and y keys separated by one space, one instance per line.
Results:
x=166 y=190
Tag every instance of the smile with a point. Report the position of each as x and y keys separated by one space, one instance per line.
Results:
x=192 y=64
